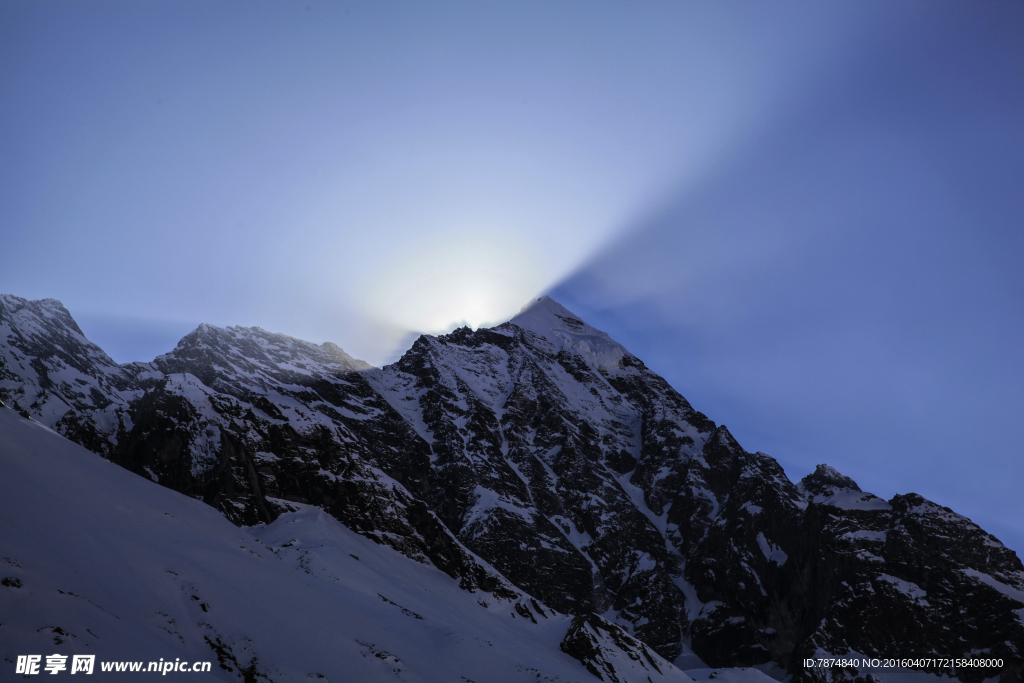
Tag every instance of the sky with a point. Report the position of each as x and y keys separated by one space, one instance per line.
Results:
x=806 y=216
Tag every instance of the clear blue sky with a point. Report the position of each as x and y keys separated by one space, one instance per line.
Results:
x=807 y=216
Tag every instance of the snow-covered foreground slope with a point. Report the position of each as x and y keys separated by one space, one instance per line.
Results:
x=109 y=564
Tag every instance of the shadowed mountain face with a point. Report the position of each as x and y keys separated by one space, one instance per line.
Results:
x=537 y=456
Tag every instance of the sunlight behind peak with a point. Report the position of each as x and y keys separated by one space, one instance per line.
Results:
x=461 y=278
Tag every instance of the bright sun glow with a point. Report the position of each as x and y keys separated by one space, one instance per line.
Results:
x=453 y=279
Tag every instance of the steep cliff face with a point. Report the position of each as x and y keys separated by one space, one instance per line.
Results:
x=532 y=447
x=538 y=456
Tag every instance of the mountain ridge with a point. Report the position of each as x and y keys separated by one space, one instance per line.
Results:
x=576 y=474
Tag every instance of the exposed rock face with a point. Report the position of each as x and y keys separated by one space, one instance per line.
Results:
x=538 y=455
x=894 y=576
x=521 y=431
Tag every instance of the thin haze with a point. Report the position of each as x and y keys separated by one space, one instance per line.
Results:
x=805 y=215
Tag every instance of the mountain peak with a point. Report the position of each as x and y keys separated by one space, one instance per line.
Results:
x=546 y=304
x=42 y=310
x=544 y=315
x=553 y=321
x=826 y=476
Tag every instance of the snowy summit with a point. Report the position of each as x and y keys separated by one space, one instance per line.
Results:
x=562 y=327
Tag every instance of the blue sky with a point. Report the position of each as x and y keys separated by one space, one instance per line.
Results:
x=806 y=216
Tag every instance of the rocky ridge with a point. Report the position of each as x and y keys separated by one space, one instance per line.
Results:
x=537 y=459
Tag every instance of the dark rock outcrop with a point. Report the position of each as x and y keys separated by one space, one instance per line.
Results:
x=611 y=654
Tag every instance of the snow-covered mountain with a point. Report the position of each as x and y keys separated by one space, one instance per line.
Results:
x=541 y=464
